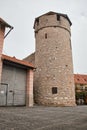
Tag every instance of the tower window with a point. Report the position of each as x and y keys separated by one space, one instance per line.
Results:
x=58 y=17
x=54 y=90
x=70 y=44
x=45 y=35
x=37 y=20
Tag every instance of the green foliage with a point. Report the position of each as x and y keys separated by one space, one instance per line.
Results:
x=81 y=95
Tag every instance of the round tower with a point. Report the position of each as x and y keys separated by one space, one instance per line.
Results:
x=54 y=82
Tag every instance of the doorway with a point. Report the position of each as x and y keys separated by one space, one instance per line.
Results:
x=3 y=94
x=13 y=87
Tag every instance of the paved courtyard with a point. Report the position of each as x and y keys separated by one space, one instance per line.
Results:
x=43 y=118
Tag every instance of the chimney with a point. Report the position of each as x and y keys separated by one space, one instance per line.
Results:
x=3 y=25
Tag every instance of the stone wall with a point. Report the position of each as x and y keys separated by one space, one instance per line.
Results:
x=53 y=60
x=30 y=58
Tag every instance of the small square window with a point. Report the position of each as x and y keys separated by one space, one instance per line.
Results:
x=54 y=90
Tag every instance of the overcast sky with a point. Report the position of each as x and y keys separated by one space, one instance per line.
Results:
x=21 y=14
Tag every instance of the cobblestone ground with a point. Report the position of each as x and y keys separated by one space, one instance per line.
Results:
x=43 y=118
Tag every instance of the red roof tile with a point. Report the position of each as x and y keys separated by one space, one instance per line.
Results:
x=14 y=60
x=80 y=79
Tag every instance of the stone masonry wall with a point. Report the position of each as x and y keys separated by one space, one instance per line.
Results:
x=53 y=60
x=30 y=58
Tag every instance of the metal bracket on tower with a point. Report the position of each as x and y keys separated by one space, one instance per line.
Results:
x=8 y=32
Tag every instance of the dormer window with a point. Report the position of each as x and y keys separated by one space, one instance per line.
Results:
x=58 y=17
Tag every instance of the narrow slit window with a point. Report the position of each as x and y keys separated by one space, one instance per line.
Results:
x=70 y=44
x=58 y=17
x=45 y=35
x=54 y=90
x=37 y=21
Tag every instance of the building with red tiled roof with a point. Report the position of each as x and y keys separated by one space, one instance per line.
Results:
x=81 y=88
x=14 y=60
x=16 y=76
x=80 y=79
x=16 y=82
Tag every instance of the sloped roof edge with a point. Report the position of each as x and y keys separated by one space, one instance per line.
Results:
x=5 y=23
x=17 y=61
x=80 y=79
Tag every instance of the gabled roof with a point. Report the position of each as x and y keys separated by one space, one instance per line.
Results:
x=80 y=79
x=17 y=61
x=5 y=23
x=52 y=13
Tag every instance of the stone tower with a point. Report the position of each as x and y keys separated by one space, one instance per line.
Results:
x=54 y=83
